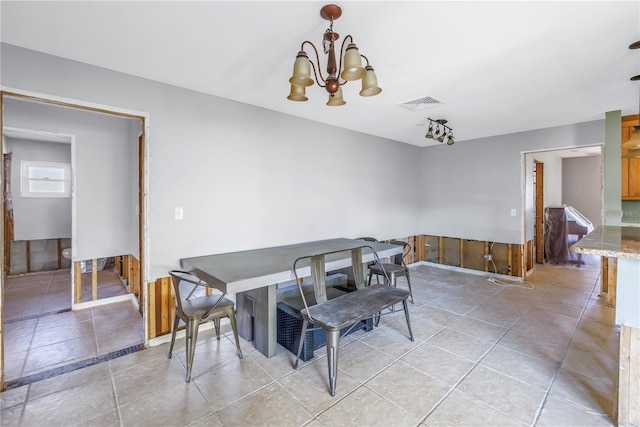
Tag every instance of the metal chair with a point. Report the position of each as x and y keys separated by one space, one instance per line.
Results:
x=193 y=308
x=394 y=269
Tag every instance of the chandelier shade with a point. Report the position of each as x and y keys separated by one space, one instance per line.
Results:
x=301 y=71
x=336 y=99
x=353 y=69
x=370 y=83
x=297 y=94
x=347 y=69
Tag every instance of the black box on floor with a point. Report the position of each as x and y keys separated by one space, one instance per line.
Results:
x=290 y=328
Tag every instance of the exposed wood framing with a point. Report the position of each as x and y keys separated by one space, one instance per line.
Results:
x=410 y=257
x=604 y=277
x=529 y=255
x=612 y=277
x=128 y=267
x=628 y=407
x=486 y=252
x=94 y=279
x=421 y=243
x=161 y=307
x=59 y=254
x=466 y=253
x=28 y=256
x=608 y=278
x=151 y=310
x=77 y=282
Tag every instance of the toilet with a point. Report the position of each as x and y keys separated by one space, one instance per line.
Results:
x=66 y=253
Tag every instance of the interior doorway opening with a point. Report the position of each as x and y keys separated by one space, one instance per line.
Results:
x=556 y=178
x=68 y=281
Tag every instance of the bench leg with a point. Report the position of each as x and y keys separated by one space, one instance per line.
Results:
x=301 y=345
x=406 y=314
x=333 y=341
x=409 y=284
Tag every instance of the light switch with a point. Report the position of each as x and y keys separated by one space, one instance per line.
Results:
x=179 y=213
x=513 y=212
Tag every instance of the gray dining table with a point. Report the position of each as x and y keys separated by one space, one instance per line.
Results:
x=253 y=275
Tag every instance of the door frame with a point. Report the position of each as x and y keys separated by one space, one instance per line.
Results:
x=143 y=185
x=523 y=188
x=538 y=203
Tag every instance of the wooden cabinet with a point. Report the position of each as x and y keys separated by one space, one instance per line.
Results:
x=630 y=167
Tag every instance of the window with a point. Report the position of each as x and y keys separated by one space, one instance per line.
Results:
x=44 y=179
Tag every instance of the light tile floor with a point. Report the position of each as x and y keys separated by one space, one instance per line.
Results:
x=43 y=335
x=484 y=354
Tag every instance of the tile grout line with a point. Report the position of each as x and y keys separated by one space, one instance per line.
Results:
x=559 y=363
x=39 y=376
x=477 y=363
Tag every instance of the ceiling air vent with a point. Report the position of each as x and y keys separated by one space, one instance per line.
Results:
x=420 y=103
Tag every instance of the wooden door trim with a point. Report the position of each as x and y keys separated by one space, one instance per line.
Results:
x=539 y=209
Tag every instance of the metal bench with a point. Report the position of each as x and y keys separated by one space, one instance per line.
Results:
x=333 y=315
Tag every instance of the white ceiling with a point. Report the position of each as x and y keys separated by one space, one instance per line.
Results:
x=498 y=67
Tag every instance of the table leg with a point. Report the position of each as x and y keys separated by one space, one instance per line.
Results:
x=257 y=318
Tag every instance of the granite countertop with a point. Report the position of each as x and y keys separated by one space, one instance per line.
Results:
x=611 y=241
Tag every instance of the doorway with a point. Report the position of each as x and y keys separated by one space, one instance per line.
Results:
x=560 y=177
x=134 y=157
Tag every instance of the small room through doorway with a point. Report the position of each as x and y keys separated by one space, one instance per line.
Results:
x=569 y=179
x=72 y=237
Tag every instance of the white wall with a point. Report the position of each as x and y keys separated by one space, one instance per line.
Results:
x=469 y=188
x=38 y=218
x=552 y=187
x=581 y=179
x=246 y=177
x=135 y=129
x=104 y=217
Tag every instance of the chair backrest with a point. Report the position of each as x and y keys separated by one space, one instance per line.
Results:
x=318 y=272
x=398 y=259
x=184 y=285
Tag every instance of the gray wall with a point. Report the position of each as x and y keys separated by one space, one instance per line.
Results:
x=246 y=177
x=581 y=179
x=38 y=218
x=468 y=189
x=105 y=219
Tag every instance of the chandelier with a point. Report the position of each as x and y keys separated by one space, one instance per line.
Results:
x=338 y=74
x=634 y=142
x=447 y=132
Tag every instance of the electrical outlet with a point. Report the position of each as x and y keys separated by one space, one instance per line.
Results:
x=488 y=257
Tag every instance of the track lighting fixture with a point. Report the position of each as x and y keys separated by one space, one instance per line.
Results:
x=351 y=70
x=447 y=132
